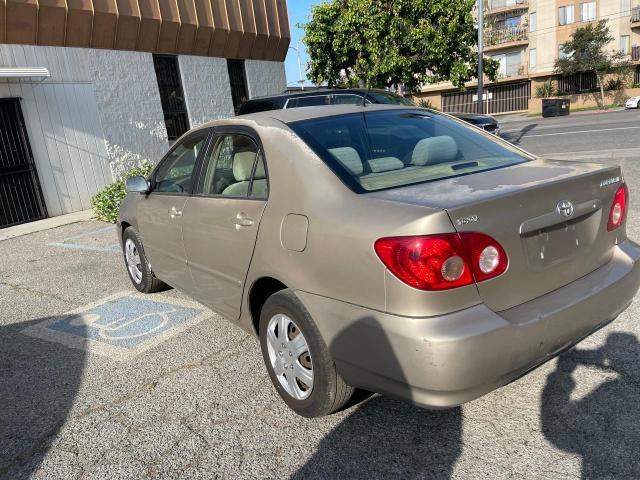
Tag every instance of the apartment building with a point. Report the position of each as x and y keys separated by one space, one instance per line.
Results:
x=90 y=88
x=525 y=37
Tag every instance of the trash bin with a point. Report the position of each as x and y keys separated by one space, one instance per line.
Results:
x=555 y=107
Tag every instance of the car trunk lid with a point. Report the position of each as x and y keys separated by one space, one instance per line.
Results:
x=520 y=207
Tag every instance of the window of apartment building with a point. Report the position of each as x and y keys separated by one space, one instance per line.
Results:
x=561 y=52
x=566 y=15
x=509 y=64
x=587 y=11
x=625 y=44
x=238 y=83
x=511 y=22
x=625 y=8
x=533 y=22
x=174 y=107
x=533 y=58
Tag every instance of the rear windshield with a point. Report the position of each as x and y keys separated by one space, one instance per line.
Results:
x=385 y=149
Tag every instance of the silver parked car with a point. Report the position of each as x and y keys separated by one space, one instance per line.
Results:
x=386 y=248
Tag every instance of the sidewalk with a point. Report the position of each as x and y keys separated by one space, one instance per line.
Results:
x=46 y=224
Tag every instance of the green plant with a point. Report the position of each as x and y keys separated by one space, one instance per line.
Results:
x=546 y=90
x=106 y=203
x=425 y=103
x=615 y=83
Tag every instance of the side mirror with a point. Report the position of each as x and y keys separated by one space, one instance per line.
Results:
x=137 y=184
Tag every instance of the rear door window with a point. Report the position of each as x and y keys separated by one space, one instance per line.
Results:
x=384 y=149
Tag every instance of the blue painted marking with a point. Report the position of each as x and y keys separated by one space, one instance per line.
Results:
x=125 y=322
x=66 y=243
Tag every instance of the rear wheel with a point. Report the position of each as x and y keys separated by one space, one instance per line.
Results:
x=298 y=360
x=138 y=267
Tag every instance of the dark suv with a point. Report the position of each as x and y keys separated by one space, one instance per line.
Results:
x=325 y=96
x=349 y=96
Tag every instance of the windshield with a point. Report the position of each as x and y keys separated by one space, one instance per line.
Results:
x=384 y=149
x=390 y=98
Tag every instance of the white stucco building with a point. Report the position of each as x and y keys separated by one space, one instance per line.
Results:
x=73 y=118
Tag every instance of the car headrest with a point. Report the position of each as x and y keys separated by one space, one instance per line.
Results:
x=385 y=164
x=429 y=151
x=243 y=164
x=348 y=156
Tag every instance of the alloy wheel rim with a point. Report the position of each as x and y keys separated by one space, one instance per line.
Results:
x=132 y=257
x=289 y=356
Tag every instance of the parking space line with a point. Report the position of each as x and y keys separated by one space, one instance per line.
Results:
x=113 y=248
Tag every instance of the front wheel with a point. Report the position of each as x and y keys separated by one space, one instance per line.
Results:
x=298 y=360
x=138 y=267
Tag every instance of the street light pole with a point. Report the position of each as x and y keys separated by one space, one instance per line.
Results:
x=480 y=56
x=297 y=50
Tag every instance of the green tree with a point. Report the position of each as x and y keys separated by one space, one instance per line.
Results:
x=587 y=51
x=381 y=43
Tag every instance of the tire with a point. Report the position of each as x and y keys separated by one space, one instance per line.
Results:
x=146 y=282
x=329 y=392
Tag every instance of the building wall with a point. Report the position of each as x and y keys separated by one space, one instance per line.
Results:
x=205 y=82
x=264 y=77
x=100 y=111
x=63 y=125
x=129 y=106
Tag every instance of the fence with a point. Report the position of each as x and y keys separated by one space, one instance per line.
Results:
x=512 y=97
x=505 y=35
x=580 y=82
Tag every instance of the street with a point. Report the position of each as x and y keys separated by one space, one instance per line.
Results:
x=183 y=393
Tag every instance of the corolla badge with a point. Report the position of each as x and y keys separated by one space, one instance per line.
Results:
x=565 y=208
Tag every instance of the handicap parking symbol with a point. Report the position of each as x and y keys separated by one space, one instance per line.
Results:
x=122 y=325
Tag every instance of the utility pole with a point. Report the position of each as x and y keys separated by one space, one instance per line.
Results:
x=480 y=55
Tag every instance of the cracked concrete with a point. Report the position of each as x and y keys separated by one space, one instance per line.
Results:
x=200 y=405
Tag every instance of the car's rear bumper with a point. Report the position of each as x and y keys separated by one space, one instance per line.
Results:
x=448 y=360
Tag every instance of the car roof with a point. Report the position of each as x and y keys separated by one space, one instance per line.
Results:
x=304 y=113
x=318 y=91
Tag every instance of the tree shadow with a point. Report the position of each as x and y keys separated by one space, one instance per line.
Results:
x=516 y=137
x=603 y=427
x=39 y=381
x=383 y=437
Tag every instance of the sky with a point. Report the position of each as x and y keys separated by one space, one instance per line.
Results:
x=299 y=11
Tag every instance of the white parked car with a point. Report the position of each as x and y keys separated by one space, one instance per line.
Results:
x=633 y=102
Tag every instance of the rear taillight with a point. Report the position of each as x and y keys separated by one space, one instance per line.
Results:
x=443 y=261
x=487 y=257
x=618 y=210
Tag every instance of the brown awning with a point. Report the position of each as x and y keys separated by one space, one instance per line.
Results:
x=256 y=29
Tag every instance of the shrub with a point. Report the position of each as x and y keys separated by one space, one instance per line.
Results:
x=425 y=103
x=615 y=83
x=546 y=90
x=106 y=203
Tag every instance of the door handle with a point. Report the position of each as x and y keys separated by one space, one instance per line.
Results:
x=174 y=212
x=241 y=220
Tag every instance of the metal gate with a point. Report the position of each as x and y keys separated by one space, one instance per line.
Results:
x=511 y=97
x=20 y=195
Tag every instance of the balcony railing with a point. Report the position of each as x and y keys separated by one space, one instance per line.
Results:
x=635 y=53
x=635 y=14
x=504 y=4
x=505 y=35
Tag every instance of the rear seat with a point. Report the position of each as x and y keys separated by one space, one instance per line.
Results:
x=428 y=151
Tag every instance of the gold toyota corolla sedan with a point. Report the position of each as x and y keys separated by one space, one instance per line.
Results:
x=392 y=249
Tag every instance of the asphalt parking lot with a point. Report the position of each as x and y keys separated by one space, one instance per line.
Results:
x=99 y=382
